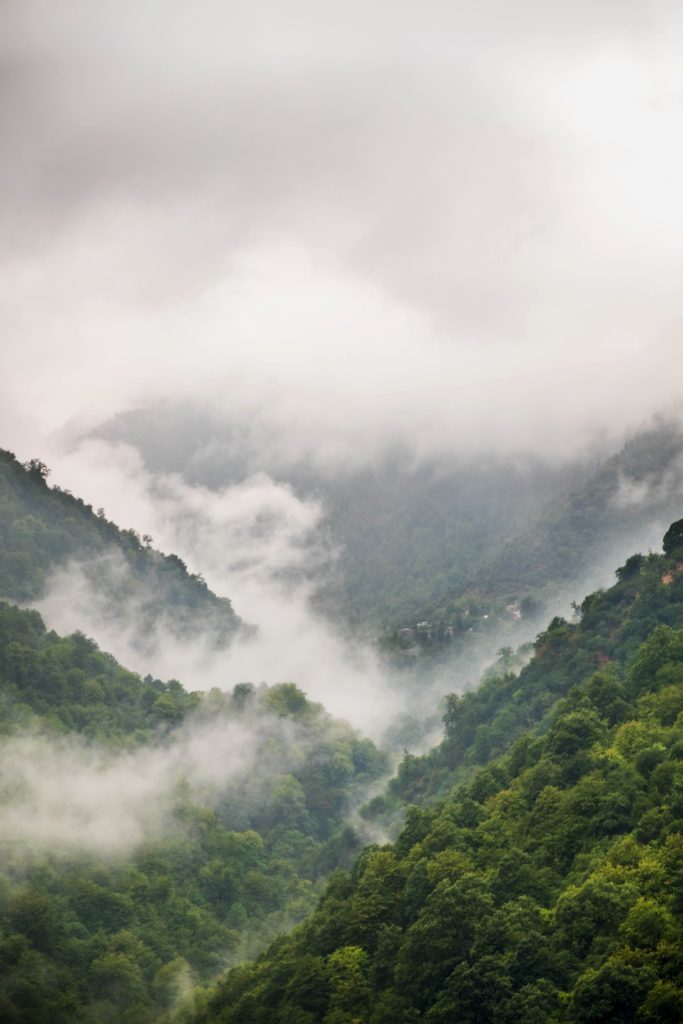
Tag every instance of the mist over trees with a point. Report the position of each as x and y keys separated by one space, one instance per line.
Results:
x=45 y=529
x=341 y=498
x=543 y=886
x=154 y=837
x=440 y=540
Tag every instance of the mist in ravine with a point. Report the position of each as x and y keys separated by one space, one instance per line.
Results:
x=67 y=796
x=256 y=258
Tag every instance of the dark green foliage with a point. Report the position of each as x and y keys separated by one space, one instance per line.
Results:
x=43 y=529
x=95 y=938
x=486 y=722
x=546 y=890
x=70 y=685
x=673 y=538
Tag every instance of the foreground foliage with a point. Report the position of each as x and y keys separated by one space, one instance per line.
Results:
x=548 y=888
x=90 y=935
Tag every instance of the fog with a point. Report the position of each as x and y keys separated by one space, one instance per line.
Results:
x=255 y=542
x=65 y=795
x=337 y=230
x=453 y=227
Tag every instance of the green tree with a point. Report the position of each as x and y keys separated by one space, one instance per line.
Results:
x=673 y=538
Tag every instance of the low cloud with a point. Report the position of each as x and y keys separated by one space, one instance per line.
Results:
x=255 y=542
x=63 y=794
x=654 y=490
x=455 y=229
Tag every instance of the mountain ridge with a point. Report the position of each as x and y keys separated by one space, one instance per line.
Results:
x=46 y=529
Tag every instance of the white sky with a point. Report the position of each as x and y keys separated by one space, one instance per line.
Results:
x=454 y=224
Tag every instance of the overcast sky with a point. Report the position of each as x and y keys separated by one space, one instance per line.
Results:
x=458 y=224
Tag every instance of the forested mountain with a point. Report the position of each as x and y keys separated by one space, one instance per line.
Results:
x=441 y=541
x=358 y=326
x=609 y=506
x=149 y=836
x=152 y=837
x=546 y=888
x=43 y=529
x=67 y=684
x=607 y=628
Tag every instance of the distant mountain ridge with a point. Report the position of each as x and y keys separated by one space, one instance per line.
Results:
x=428 y=541
x=621 y=501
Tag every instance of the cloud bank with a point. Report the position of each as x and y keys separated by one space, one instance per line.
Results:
x=337 y=228
x=257 y=543
x=457 y=227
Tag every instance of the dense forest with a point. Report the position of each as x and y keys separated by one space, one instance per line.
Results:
x=607 y=628
x=154 y=839
x=544 y=888
x=341 y=512
x=43 y=529
x=108 y=935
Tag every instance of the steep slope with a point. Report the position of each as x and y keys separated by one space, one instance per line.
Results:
x=148 y=836
x=548 y=887
x=43 y=529
x=608 y=627
x=66 y=684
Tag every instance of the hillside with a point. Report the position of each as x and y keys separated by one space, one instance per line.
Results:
x=153 y=837
x=609 y=625
x=547 y=888
x=574 y=536
x=66 y=684
x=444 y=541
x=150 y=836
x=44 y=529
